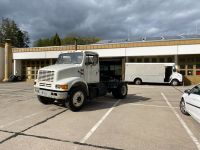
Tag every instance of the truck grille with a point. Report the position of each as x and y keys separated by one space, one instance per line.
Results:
x=45 y=75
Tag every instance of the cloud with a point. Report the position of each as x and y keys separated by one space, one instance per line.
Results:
x=111 y=19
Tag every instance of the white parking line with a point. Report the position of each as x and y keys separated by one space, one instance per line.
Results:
x=98 y=123
x=159 y=106
x=194 y=139
x=21 y=119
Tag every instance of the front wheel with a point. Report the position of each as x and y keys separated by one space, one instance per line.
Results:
x=76 y=99
x=120 y=92
x=182 y=107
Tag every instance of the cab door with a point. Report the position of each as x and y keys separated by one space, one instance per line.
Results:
x=91 y=69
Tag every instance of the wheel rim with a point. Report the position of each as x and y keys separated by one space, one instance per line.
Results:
x=183 y=107
x=78 y=99
x=174 y=83
x=138 y=82
x=123 y=90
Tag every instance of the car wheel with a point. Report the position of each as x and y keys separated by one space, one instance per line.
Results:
x=76 y=99
x=183 y=108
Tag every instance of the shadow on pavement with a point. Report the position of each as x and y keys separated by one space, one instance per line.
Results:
x=108 y=101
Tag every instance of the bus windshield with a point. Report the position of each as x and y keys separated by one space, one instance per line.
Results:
x=70 y=58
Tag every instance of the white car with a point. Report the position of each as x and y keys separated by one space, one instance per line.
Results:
x=190 y=102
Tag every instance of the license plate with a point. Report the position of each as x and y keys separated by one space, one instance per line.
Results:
x=44 y=93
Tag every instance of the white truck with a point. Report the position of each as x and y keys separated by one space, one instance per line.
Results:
x=152 y=73
x=74 y=79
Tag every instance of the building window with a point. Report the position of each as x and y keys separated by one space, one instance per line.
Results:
x=191 y=60
x=169 y=59
x=131 y=59
x=182 y=72
x=154 y=59
x=190 y=72
x=162 y=60
x=190 y=66
x=198 y=59
x=146 y=59
x=198 y=72
x=198 y=66
x=182 y=60
x=182 y=67
x=139 y=59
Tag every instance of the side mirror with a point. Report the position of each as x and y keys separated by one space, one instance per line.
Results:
x=187 y=91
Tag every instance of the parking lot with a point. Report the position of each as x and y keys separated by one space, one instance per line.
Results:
x=149 y=118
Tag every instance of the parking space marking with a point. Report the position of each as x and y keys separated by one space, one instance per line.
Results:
x=21 y=119
x=152 y=105
x=87 y=136
x=194 y=139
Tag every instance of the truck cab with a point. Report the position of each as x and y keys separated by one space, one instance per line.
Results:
x=74 y=79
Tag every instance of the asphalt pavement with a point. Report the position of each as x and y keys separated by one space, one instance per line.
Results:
x=148 y=119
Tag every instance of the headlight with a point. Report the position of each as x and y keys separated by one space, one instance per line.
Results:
x=62 y=86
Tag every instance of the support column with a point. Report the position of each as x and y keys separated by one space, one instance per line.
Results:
x=8 y=60
x=15 y=67
x=176 y=61
x=123 y=68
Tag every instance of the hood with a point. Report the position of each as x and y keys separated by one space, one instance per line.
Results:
x=60 y=67
x=63 y=71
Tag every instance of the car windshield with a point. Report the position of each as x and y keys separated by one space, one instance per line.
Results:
x=70 y=58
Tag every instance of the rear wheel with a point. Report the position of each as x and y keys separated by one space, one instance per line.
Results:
x=182 y=107
x=76 y=99
x=138 y=81
x=121 y=91
x=45 y=100
x=175 y=82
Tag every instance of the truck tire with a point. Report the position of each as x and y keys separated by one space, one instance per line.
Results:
x=76 y=99
x=174 y=82
x=45 y=100
x=120 y=92
x=138 y=81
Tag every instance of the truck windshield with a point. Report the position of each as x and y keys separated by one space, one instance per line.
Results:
x=70 y=58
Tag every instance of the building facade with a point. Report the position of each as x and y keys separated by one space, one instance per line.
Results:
x=185 y=53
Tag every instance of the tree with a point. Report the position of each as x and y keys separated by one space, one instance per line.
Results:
x=10 y=30
x=68 y=40
x=56 y=40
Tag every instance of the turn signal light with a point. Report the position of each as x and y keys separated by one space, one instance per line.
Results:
x=64 y=87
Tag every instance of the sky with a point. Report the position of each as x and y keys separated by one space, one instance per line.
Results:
x=106 y=19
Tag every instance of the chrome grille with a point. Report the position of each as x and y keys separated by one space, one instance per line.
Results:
x=45 y=75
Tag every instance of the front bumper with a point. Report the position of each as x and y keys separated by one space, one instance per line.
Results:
x=51 y=93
